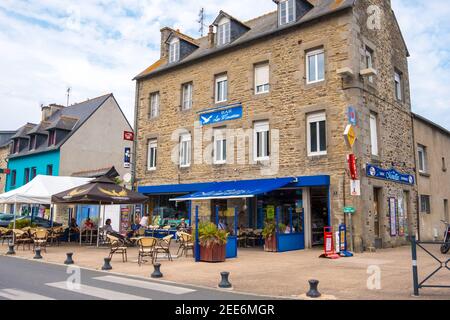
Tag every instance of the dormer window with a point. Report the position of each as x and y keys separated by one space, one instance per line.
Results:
x=174 y=50
x=224 y=32
x=32 y=145
x=16 y=147
x=52 y=138
x=286 y=11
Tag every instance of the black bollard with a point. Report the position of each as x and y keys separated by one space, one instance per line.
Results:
x=225 y=283
x=11 y=251
x=157 y=273
x=69 y=259
x=107 y=264
x=37 y=254
x=313 y=289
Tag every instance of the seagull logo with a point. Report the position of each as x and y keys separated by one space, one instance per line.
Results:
x=206 y=119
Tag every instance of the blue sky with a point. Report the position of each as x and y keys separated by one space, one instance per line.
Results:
x=97 y=46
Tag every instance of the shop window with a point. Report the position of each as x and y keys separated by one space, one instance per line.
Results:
x=261 y=141
x=262 y=78
x=221 y=84
x=317 y=134
x=425 y=204
x=185 y=150
x=374 y=134
x=315 y=66
x=220 y=146
x=152 y=154
x=154 y=105
x=422 y=155
x=186 y=103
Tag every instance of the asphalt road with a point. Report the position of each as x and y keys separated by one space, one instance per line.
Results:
x=31 y=280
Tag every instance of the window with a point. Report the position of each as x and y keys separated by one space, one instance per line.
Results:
x=174 y=50
x=16 y=146
x=154 y=105
x=185 y=150
x=152 y=154
x=374 y=134
x=317 y=134
x=444 y=165
x=186 y=103
x=223 y=32
x=315 y=66
x=261 y=141
x=221 y=89
x=425 y=206
x=49 y=170
x=13 y=178
x=422 y=155
x=52 y=138
x=26 y=176
x=33 y=173
x=220 y=146
x=32 y=145
x=398 y=86
x=262 y=78
x=369 y=61
x=287 y=11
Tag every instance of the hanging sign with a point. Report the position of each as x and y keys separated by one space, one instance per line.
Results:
x=128 y=135
x=351 y=159
x=393 y=216
x=351 y=113
x=127 y=158
x=229 y=114
x=355 y=188
x=389 y=175
x=350 y=135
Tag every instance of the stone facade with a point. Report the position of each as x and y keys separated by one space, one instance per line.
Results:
x=343 y=35
x=4 y=152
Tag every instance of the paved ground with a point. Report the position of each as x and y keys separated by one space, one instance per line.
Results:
x=30 y=280
x=282 y=274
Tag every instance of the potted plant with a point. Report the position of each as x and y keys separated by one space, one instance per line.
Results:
x=212 y=243
x=270 y=238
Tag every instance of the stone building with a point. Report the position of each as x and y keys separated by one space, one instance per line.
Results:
x=5 y=137
x=432 y=154
x=253 y=116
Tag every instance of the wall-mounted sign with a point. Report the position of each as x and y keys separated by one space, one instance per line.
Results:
x=349 y=210
x=393 y=216
x=350 y=135
x=214 y=117
x=351 y=159
x=128 y=136
x=127 y=158
x=390 y=175
x=351 y=113
x=355 y=188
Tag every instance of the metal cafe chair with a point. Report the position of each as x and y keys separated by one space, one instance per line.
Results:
x=117 y=246
x=146 y=249
x=164 y=247
x=186 y=244
x=40 y=239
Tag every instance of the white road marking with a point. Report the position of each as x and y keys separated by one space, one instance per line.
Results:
x=15 y=294
x=146 y=285
x=97 y=292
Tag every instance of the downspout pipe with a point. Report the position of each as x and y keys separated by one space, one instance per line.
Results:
x=135 y=140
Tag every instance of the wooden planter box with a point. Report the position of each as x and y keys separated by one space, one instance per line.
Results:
x=270 y=244
x=215 y=253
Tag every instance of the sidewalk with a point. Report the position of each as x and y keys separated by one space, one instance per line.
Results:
x=278 y=274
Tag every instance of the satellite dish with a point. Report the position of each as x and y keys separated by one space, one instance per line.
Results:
x=127 y=177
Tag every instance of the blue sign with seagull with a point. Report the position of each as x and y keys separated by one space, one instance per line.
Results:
x=390 y=175
x=229 y=114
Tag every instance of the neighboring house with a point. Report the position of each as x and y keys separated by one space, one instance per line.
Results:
x=5 y=140
x=432 y=144
x=286 y=79
x=85 y=136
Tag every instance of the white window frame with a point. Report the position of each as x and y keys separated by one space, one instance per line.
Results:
x=262 y=86
x=152 y=155
x=422 y=158
x=221 y=81
x=174 y=50
x=224 y=32
x=398 y=86
x=185 y=150
x=154 y=105
x=316 y=118
x=369 y=61
x=220 y=145
x=261 y=127
x=374 y=147
x=187 y=93
x=286 y=6
x=315 y=54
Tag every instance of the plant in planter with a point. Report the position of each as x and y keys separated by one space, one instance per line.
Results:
x=269 y=234
x=212 y=243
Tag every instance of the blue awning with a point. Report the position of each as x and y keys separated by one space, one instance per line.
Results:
x=237 y=189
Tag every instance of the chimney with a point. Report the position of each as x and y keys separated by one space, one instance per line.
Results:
x=45 y=112
x=165 y=33
x=48 y=111
x=211 y=37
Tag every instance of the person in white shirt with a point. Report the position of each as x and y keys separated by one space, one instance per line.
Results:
x=144 y=221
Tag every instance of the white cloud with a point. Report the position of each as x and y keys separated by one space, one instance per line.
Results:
x=97 y=47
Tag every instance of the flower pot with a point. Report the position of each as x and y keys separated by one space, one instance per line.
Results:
x=214 y=253
x=270 y=244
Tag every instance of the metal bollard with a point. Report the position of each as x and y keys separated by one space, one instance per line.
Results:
x=225 y=283
x=107 y=264
x=37 y=253
x=157 y=273
x=313 y=289
x=69 y=259
x=11 y=251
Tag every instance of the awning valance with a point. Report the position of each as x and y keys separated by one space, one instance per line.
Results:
x=237 y=189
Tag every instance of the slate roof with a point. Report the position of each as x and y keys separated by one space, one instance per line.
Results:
x=5 y=138
x=260 y=27
x=69 y=119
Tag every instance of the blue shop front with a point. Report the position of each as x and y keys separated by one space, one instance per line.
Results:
x=299 y=207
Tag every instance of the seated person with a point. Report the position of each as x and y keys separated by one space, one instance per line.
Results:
x=109 y=230
x=134 y=228
x=289 y=229
x=222 y=225
x=72 y=230
x=183 y=226
x=88 y=224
